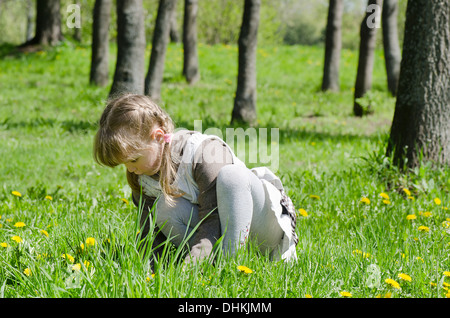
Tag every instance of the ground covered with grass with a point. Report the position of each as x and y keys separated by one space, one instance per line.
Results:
x=67 y=228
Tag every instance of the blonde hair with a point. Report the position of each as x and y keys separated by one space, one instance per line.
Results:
x=124 y=131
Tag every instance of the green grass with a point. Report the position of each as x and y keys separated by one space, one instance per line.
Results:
x=48 y=118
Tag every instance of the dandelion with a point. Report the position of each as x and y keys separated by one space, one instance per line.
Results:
x=411 y=217
x=345 y=294
x=244 y=269
x=47 y=197
x=437 y=201
x=90 y=241
x=365 y=200
x=392 y=283
x=68 y=257
x=17 y=239
x=303 y=212
x=427 y=214
x=313 y=196
x=384 y=196
x=386 y=202
x=404 y=277
x=76 y=267
x=44 y=232
x=151 y=276
x=19 y=224
x=27 y=271
x=308 y=296
x=125 y=201
x=419 y=259
x=407 y=192
x=423 y=228
x=447 y=273
x=16 y=193
x=4 y=244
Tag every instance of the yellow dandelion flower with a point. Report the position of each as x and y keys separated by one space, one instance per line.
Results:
x=411 y=217
x=345 y=294
x=86 y=264
x=90 y=241
x=44 y=232
x=244 y=269
x=447 y=273
x=47 y=197
x=17 y=239
x=151 y=276
x=68 y=257
x=386 y=202
x=76 y=267
x=427 y=214
x=420 y=259
x=82 y=246
x=408 y=193
x=423 y=228
x=4 y=244
x=125 y=201
x=411 y=198
x=404 y=277
x=308 y=296
x=392 y=283
x=365 y=200
x=16 y=193
x=19 y=224
x=303 y=212
x=27 y=271
x=437 y=201
x=384 y=196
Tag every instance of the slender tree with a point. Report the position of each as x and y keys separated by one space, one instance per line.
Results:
x=48 y=23
x=154 y=77
x=190 y=66
x=421 y=124
x=129 y=73
x=333 y=44
x=244 y=109
x=100 y=43
x=368 y=33
x=392 y=55
x=174 y=34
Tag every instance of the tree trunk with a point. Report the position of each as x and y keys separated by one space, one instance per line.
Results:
x=29 y=33
x=333 y=44
x=244 y=110
x=363 y=82
x=48 y=23
x=100 y=43
x=174 y=34
x=392 y=55
x=129 y=73
x=190 y=66
x=421 y=124
x=154 y=77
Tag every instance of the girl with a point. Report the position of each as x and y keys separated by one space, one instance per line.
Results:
x=193 y=179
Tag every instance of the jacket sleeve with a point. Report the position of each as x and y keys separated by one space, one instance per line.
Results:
x=211 y=156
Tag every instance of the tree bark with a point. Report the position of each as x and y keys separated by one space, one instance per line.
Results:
x=363 y=82
x=100 y=43
x=174 y=34
x=190 y=66
x=48 y=23
x=421 y=125
x=333 y=44
x=244 y=110
x=154 y=77
x=392 y=55
x=129 y=73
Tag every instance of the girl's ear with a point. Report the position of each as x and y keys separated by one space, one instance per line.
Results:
x=158 y=135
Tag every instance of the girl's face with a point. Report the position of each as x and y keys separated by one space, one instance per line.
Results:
x=149 y=161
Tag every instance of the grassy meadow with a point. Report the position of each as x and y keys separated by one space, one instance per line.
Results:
x=67 y=228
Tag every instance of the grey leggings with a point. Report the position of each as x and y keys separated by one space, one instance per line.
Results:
x=244 y=212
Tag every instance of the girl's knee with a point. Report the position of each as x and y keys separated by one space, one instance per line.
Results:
x=232 y=176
